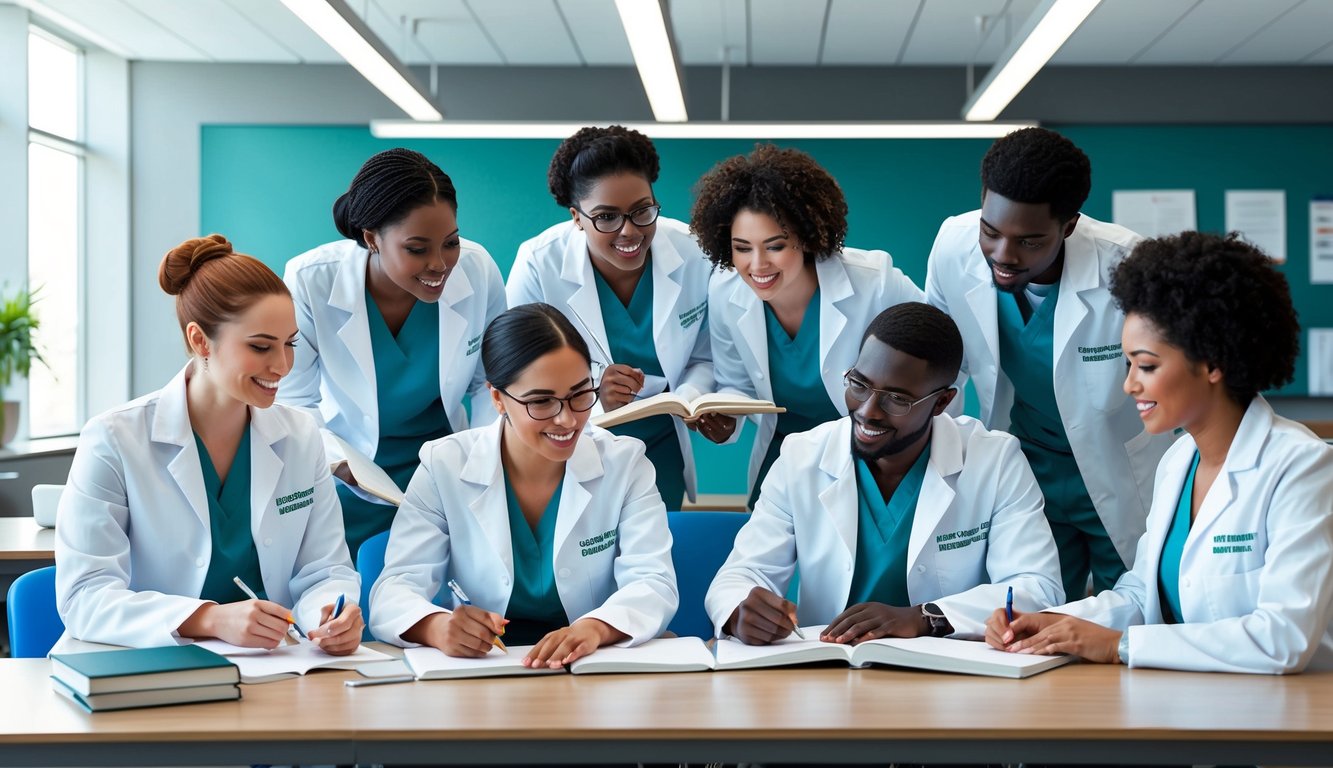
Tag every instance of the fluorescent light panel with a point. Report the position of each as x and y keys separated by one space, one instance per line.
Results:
x=650 y=42
x=333 y=21
x=463 y=129
x=1049 y=26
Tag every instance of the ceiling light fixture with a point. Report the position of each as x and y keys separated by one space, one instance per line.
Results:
x=349 y=36
x=468 y=129
x=645 y=24
x=1049 y=26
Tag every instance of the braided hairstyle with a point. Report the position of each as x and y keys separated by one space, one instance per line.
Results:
x=1036 y=165
x=786 y=184
x=213 y=284
x=388 y=187
x=595 y=153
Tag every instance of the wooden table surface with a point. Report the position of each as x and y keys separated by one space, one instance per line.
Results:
x=1078 y=713
x=21 y=538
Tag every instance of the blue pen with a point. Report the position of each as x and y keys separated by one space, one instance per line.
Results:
x=1009 y=606
x=463 y=600
x=338 y=607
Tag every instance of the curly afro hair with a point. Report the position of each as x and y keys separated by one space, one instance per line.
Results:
x=594 y=153
x=786 y=184
x=1036 y=165
x=1219 y=300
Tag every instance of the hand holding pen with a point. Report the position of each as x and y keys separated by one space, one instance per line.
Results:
x=251 y=623
x=762 y=618
x=469 y=631
x=339 y=630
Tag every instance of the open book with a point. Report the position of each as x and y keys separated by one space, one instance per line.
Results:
x=672 y=404
x=937 y=654
x=669 y=654
x=259 y=665
x=368 y=475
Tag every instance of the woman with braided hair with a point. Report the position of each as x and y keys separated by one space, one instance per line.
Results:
x=391 y=320
x=634 y=284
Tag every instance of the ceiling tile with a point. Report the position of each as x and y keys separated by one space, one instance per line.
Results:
x=1211 y=29
x=598 y=32
x=1290 y=39
x=446 y=32
x=867 y=32
x=949 y=33
x=785 y=32
x=128 y=28
x=275 y=22
x=1118 y=30
x=703 y=28
x=218 y=29
x=529 y=32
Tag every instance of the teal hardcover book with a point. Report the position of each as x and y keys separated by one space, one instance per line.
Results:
x=161 y=697
x=142 y=669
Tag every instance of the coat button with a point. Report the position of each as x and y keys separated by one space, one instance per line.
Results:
x=268 y=542
x=198 y=562
x=758 y=374
x=1185 y=582
x=505 y=581
x=921 y=569
x=563 y=573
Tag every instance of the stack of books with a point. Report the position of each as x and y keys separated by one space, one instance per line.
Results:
x=144 y=677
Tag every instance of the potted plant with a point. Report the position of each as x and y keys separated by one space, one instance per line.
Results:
x=17 y=351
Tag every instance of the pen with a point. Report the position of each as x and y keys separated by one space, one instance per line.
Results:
x=597 y=343
x=292 y=629
x=795 y=627
x=1009 y=606
x=379 y=681
x=338 y=607
x=463 y=598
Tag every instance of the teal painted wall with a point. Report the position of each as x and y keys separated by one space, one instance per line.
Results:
x=270 y=189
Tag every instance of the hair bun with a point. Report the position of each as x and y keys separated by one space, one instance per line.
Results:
x=182 y=262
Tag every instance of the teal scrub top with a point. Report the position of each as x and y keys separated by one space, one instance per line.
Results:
x=883 y=532
x=629 y=330
x=234 y=552
x=534 y=604
x=407 y=378
x=794 y=370
x=1168 y=573
x=1026 y=356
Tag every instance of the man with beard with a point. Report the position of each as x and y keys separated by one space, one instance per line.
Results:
x=1025 y=279
x=902 y=519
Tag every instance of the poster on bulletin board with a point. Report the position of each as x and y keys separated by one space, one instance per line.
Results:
x=1321 y=240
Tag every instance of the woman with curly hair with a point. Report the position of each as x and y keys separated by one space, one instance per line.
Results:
x=790 y=304
x=1232 y=572
x=634 y=284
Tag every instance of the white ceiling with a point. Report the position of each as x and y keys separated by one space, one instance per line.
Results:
x=749 y=32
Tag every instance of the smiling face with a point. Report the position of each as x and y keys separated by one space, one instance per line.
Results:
x=558 y=373
x=250 y=354
x=1022 y=242
x=415 y=255
x=1169 y=389
x=624 y=251
x=769 y=260
x=876 y=433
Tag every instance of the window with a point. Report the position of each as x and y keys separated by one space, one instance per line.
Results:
x=55 y=231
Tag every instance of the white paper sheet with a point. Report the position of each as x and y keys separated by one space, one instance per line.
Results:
x=1260 y=216
x=1321 y=361
x=1155 y=212
x=1321 y=240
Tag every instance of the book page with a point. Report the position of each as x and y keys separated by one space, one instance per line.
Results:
x=368 y=475
x=665 y=654
x=434 y=664
x=665 y=402
x=967 y=656
x=733 y=654
x=258 y=665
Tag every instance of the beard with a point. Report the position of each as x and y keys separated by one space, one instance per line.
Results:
x=894 y=446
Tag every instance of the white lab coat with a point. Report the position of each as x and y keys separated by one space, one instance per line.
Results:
x=1255 y=589
x=133 y=541
x=333 y=374
x=1115 y=454
x=554 y=267
x=454 y=523
x=854 y=287
x=979 y=528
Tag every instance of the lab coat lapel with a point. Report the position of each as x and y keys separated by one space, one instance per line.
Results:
x=665 y=261
x=981 y=300
x=1081 y=273
x=753 y=334
x=349 y=296
x=265 y=469
x=583 y=302
x=171 y=426
x=834 y=287
x=585 y=466
x=946 y=460
x=839 y=497
x=453 y=327
x=484 y=471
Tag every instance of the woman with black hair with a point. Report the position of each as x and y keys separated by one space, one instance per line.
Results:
x=790 y=302
x=634 y=284
x=557 y=534
x=1232 y=573
x=391 y=321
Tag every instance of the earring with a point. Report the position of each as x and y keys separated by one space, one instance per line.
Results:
x=205 y=364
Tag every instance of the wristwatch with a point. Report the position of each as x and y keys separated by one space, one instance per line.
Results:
x=1123 y=650
x=936 y=624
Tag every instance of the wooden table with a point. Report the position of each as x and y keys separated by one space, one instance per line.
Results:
x=24 y=546
x=1079 y=713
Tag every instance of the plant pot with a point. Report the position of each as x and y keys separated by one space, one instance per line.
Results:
x=10 y=423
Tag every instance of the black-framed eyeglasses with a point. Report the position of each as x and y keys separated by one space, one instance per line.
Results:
x=608 y=222
x=892 y=402
x=550 y=406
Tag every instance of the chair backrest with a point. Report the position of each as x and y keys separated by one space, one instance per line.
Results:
x=700 y=543
x=369 y=563
x=45 y=500
x=34 y=623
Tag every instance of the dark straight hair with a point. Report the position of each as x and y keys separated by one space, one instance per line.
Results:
x=520 y=335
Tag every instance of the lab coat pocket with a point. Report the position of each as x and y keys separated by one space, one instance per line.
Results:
x=1232 y=594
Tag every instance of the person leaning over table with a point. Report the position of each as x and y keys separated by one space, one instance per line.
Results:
x=173 y=495
x=634 y=283
x=903 y=519
x=1232 y=574
x=391 y=321
x=554 y=529
x=789 y=301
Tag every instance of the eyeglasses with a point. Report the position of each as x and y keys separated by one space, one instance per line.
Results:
x=892 y=402
x=607 y=222
x=543 y=408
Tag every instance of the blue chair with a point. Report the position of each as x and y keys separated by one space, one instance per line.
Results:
x=369 y=563
x=34 y=623
x=700 y=543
